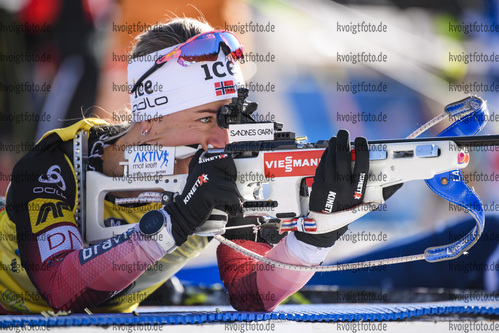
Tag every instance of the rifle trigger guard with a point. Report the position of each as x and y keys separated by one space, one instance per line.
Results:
x=214 y=225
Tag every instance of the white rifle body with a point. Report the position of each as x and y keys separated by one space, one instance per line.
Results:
x=271 y=180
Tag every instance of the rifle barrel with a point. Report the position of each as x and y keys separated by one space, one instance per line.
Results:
x=461 y=141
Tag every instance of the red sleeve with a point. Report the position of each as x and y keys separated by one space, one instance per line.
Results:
x=239 y=275
x=255 y=286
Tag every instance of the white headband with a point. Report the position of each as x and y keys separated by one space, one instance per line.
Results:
x=174 y=88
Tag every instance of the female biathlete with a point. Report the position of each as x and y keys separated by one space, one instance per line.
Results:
x=44 y=263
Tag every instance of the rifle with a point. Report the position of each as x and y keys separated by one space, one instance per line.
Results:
x=275 y=171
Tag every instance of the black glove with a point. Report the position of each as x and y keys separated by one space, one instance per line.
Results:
x=210 y=184
x=336 y=187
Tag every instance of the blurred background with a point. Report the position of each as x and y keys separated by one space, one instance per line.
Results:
x=295 y=70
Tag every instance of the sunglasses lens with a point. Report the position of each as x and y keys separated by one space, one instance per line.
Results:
x=203 y=48
x=206 y=47
x=236 y=49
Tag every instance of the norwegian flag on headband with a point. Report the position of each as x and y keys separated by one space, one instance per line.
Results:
x=225 y=87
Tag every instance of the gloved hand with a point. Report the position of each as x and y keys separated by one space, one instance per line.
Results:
x=336 y=188
x=210 y=184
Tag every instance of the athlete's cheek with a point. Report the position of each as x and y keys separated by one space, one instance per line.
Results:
x=218 y=137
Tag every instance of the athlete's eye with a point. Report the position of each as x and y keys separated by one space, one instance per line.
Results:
x=206 y=120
